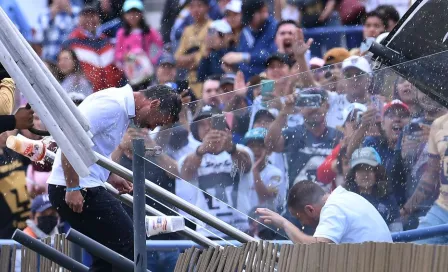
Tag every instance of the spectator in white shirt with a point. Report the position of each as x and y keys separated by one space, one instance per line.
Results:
x=339 y=217
x=84 y=202
x=269 y=184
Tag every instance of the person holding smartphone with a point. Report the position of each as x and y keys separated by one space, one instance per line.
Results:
x=220 y=168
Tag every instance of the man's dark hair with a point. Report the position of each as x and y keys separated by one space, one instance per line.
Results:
x=213 y=77
x=170 y=102
x=375 y=13
x=285 y=22
x=389 y=12
x=304 y=193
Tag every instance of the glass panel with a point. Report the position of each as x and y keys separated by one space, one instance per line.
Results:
x=299 y=127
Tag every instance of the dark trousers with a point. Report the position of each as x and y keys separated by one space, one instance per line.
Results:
x=103 y=219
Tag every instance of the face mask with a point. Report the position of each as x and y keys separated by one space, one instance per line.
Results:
x=47 y=223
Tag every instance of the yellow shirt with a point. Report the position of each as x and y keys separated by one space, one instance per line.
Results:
x=7 y=89
x=193 y=36
x=438 y=146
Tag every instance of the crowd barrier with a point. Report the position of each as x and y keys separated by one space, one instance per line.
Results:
x=8 y=247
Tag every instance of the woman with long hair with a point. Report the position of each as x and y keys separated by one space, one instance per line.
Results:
x=71 y=73
x=136 y=36
x=367 y=177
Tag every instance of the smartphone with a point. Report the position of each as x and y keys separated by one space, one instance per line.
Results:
x=309 y=101
x=358 y=117
x=267 y=87
x=182 y=85
x=414 y=127
x=219 y=122
x=378 y=104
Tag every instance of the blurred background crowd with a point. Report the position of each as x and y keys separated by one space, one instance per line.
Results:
x=275 y=92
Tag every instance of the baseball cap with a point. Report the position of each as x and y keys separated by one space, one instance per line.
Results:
x=336 y=55
x=365 y=155
x=167 y=59
x=207 y=111
x=264 y=112
x=357 y=62
x=278 y=56
x=317 y=62
x=234 y=6
x=351 y=109
x=227 y=79
x=393 y=104
x=40 y=203
x=221 y=26
x=255 y=134
x=133 y=4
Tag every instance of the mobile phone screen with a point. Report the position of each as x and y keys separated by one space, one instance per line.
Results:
x=219 y=122
x=267 y=87
x=309 y=101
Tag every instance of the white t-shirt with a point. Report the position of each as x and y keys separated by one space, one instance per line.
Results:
x=109 y=114
x=271 y=177
x=349 y=218
x=338 y=103
x=224 y=190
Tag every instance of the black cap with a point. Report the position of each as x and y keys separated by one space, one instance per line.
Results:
x=263 y=112
x=227 y=79
x=248 y=9
x=207 y=111
x=284 y=58
x=167 y=59
x=89 y=10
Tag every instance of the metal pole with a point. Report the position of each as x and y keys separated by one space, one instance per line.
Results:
x=48 y=252
x=138 y=168
x=420 y=234
x=97 y=249
x=76 y=252
x=153 y=189
x=128 y=200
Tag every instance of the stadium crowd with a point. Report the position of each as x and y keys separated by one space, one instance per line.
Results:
x=261 y=112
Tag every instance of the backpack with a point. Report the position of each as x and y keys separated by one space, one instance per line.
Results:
x=138 y=67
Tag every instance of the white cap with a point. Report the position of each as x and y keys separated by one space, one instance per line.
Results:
x=358 y=62
x=234 y=5
x=221 y=26
x=317 y=62
x=353 y=106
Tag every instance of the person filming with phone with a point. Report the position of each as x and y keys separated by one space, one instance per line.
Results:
x=220 y=168
x=307 y=145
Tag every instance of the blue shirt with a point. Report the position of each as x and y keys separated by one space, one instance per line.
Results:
x=306 y=152
x=52 y=32
x=386 y=153
x=15 y=14
x=260 y=45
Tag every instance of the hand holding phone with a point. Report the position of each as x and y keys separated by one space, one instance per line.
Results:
x=219 y=122
x=312 y=101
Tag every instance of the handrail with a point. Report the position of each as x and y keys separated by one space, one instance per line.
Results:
x=128 y=200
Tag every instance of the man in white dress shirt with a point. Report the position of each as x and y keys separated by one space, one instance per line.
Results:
x=84 y=202
x=339 y=217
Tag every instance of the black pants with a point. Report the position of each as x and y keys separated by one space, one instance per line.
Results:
x=102 y=219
